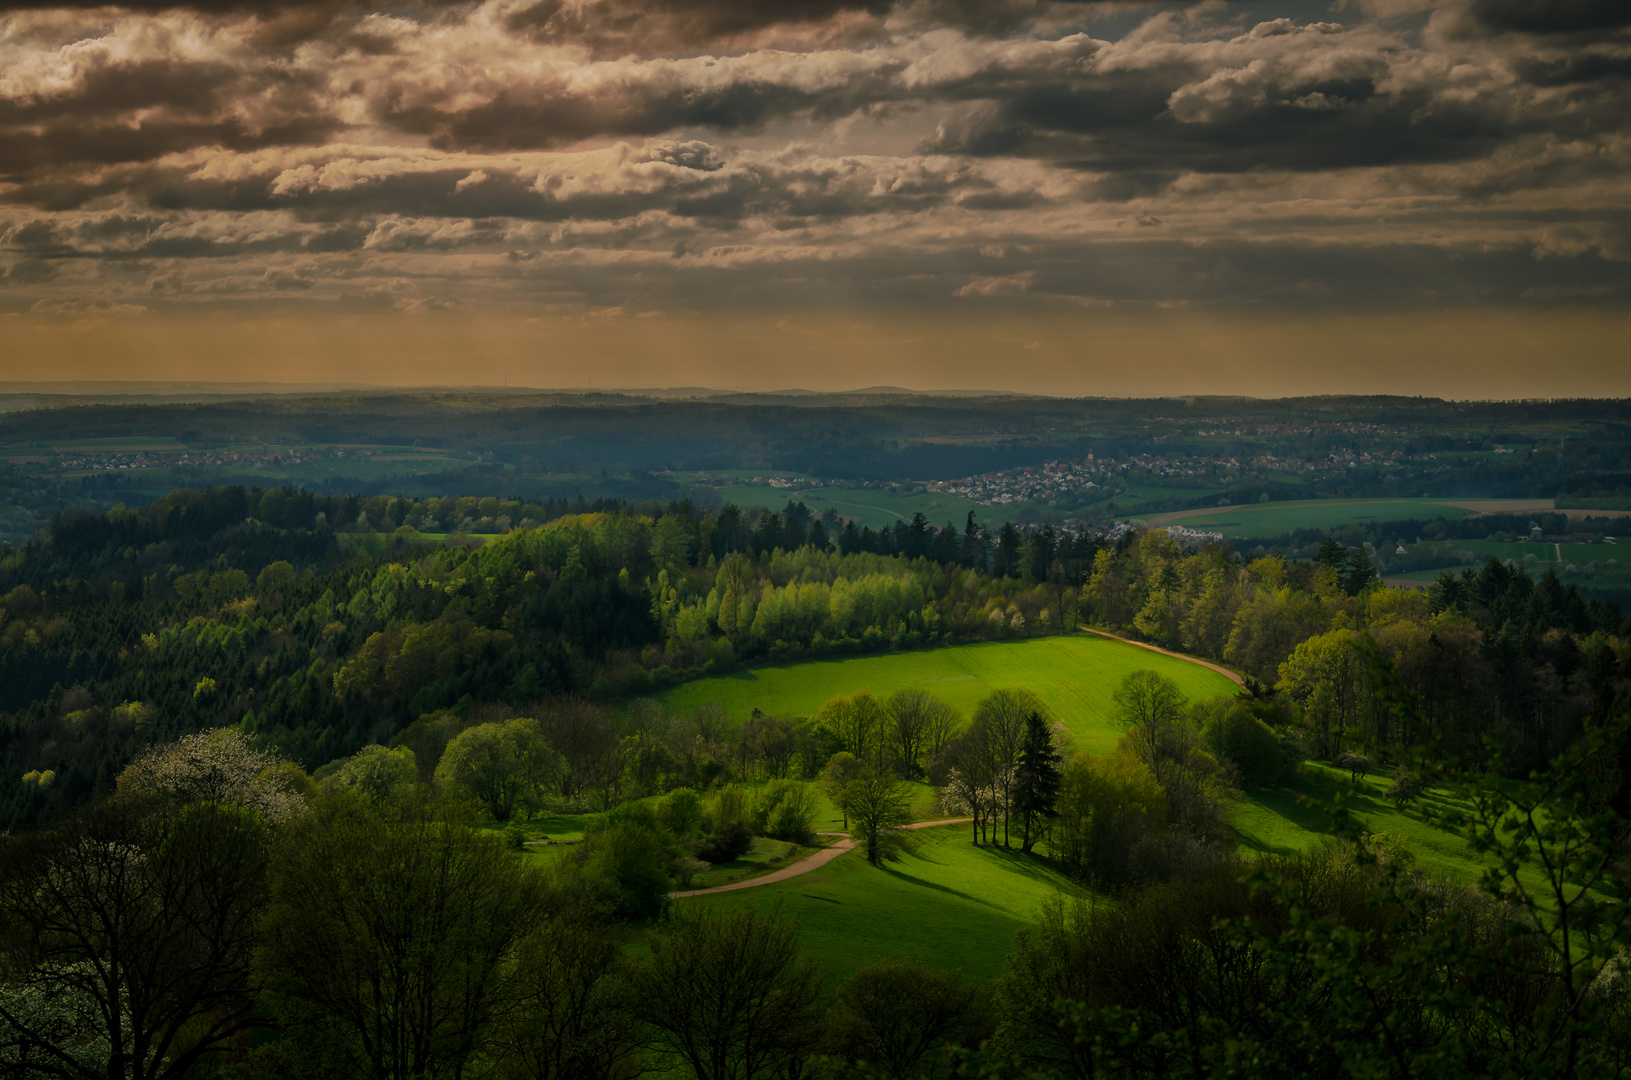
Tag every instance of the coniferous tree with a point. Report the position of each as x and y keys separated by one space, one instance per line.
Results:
x=1036 y=780
x=1332 y=553
x=1356 y=572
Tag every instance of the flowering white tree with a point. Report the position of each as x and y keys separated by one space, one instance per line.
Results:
x=220 y=766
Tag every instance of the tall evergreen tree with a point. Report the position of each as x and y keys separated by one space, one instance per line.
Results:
x=975 y=544
x=1357 y=571
x=1036 y=779
x=1332 y=553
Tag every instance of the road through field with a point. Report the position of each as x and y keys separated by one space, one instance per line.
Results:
x=805 y=865
x=1478 y=507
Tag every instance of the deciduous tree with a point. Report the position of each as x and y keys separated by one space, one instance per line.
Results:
x=726 y=993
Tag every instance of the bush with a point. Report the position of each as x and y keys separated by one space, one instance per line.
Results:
x=785 y=811
x=726 y=843
x=626 y=865
x=1406 y=788
x=1232 y=732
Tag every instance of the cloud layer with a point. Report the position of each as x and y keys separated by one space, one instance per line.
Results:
x=619 y=156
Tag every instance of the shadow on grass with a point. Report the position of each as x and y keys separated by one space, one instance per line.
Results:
x=1014 y=862
x=1307 y=802
x=1017 y=862
x=911 y=879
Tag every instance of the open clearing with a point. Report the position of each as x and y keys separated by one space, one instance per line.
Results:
x=1075 y=675
x=947 y=903
x=954 y=905
x=1264 y=520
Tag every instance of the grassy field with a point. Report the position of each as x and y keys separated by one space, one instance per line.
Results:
x=951 y=904
x=1265 y=520
x=954 y=905
x=947 y=903
x=1075 y=675
x=1294 y=817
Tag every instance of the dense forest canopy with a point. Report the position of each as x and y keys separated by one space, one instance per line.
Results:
x=324 y=623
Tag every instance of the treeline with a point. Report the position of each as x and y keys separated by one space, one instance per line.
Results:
x=223 y=914
x=1495 y=656
x=1385 y=536
x=324 y=623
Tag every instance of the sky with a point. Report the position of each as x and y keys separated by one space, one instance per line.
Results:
x=1375 y=196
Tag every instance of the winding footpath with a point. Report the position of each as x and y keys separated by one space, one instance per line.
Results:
x=806 y=864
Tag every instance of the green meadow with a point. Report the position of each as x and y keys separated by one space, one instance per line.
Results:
x=952 y=904
x=1266 y=520
x=1075 y=675
x=946 y=902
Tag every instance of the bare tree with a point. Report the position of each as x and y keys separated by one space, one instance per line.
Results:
x=859 y=722
x=390 y=942
x=971 y=780
x=583 y=734
x=943 y=724
x=896 y=1013
x=773 y=742
x=1150 y=707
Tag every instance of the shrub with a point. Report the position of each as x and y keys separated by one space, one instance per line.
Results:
x=785 y=811
x=726 y=843
x=626 y=865
x=1406 y=788
x=1245 y=741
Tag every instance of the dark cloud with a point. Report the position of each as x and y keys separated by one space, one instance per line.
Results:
x=1552 y=16
x=636 y=27
x=612 y=153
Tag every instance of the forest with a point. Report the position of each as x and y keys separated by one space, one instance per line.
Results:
x=284 y=613
x=270 y=758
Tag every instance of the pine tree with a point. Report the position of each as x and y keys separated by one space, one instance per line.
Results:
x=1036 y=779
x=1332 y=553
x=1357 y=572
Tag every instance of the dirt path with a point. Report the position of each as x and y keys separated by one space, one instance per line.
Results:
x=1219 y=668
x=806 y=864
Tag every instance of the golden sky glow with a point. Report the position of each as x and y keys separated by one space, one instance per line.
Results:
x=1453 y=354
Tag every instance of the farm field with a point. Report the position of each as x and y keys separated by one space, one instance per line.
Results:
x=1266 y=520
x=946 y=903
x=1075 y=675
